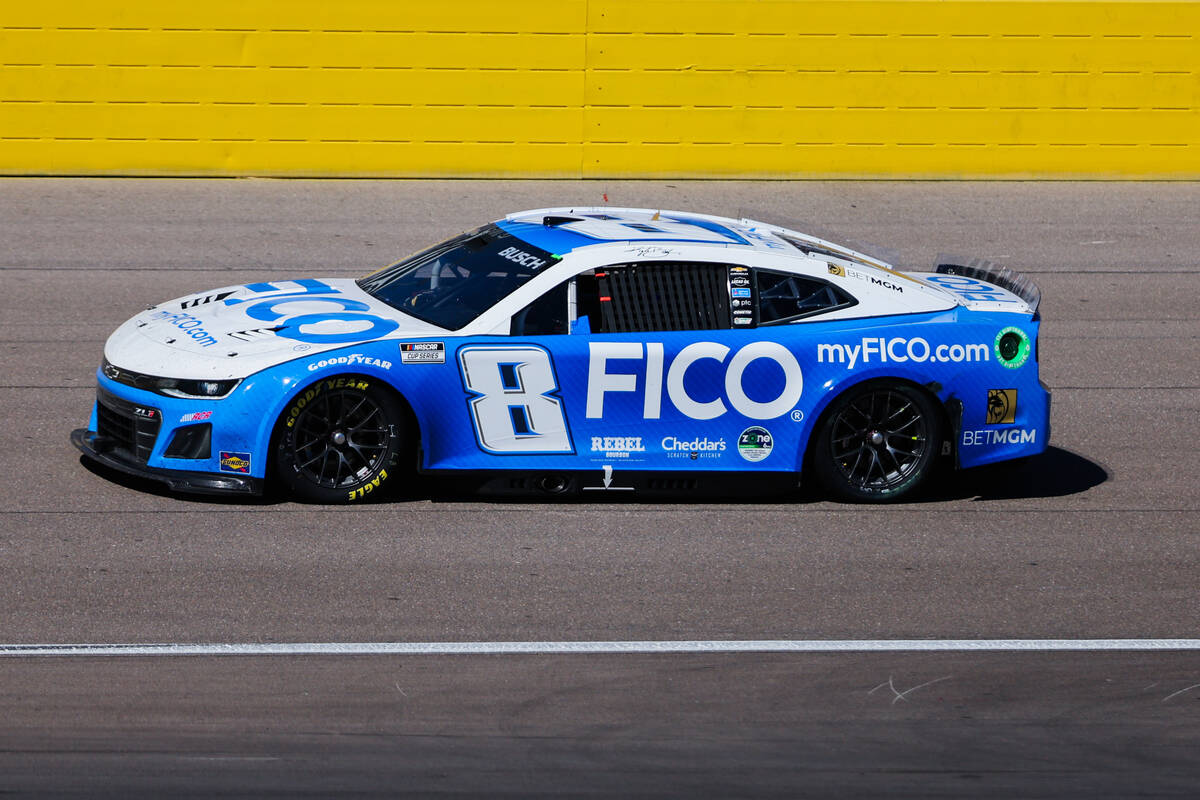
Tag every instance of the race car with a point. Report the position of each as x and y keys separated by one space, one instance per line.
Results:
x=582 y=352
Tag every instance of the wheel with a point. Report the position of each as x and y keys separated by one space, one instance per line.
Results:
x=339 y=441
x=877 y=442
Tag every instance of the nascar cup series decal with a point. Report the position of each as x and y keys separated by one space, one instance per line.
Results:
x=422 y=352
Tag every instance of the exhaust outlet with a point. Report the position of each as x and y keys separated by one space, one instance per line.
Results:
x=552 y=484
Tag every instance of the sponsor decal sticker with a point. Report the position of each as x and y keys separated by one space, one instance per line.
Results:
x=235 y=462
x=972 y=289
x=422 y=353
x=850 y=272
x=755 y=444
x=1001 y=406
x=695 y=449
x=739 y=292
x=196 y=416
x=291 y=325
x=900 y=349
x=617 y=446
x=188 y=324
x=519 y=256
x=660 y=374
x=1012 y=347
x=513 y=399
x=350 y=360
x=1005 y=436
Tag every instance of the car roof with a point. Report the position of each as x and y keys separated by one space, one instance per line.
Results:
x=564 y=229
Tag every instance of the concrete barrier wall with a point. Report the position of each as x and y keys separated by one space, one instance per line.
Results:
x=592 y=88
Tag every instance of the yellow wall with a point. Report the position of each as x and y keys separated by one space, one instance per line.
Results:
x=570 y=88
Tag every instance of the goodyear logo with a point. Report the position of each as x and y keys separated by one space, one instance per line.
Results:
x=235 y=462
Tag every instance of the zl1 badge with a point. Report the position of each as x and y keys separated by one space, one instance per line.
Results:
x=1001 y=406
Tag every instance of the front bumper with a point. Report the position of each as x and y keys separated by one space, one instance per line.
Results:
x=101 y=449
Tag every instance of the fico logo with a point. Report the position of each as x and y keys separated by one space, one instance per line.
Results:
x=514 y=403
x=313 y=294
x=602 y=382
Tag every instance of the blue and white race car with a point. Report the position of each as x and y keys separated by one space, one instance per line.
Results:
x=582 y=351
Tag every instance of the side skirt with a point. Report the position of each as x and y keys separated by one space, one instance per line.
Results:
x=597 y=485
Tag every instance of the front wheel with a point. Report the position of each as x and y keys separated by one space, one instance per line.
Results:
x=877 y=442
x=339 y=441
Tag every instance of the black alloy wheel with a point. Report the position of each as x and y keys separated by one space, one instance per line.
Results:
x=877 y=442
x=339 y=441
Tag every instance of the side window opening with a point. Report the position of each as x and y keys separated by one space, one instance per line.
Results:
x=546 y=315
x=784 y=297
x=659 y=296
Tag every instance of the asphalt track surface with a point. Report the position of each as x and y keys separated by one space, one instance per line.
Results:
x=1099 y=538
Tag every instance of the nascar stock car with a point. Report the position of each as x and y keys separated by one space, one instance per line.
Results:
x=566 y=351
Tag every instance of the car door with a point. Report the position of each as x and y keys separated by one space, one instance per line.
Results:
x=657 y=366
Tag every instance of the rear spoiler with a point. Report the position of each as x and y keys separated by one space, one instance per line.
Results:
x=1003 y=277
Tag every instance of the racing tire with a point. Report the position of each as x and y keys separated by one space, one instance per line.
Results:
x=877 y=443
x=339 y=441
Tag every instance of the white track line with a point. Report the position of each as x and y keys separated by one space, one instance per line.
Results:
x=556 y=648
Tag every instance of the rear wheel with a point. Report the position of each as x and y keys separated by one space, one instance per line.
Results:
x=339 y=441
x=877 y=442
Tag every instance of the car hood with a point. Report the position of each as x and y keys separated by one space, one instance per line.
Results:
x=236 y=331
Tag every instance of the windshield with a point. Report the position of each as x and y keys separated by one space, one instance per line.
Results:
x=454 y=282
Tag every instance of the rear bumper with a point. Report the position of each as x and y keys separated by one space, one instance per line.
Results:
x=100 y=450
